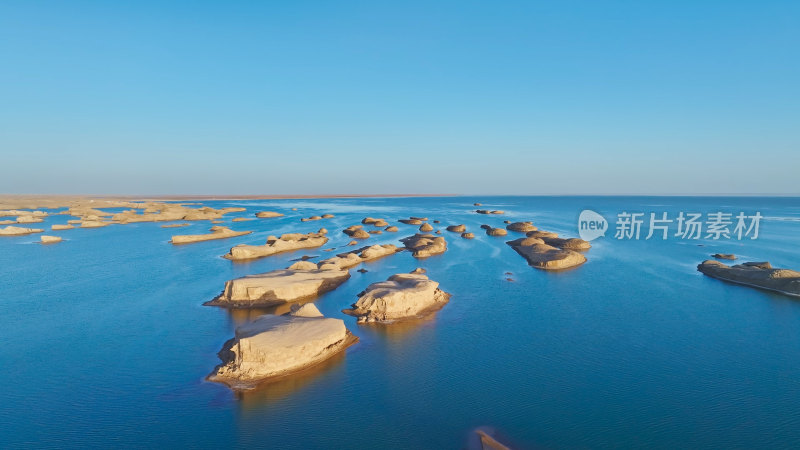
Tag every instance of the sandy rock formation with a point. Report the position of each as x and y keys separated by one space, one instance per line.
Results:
x=486 y=211
x=374 y=222
x=425 y=227
x=727 y=256
x=496 y=231
x=217 y=232
x=268 y=214
x=241 y=219
x=541 y=234
x=457 y=228
x=521 y=226
x=353 y=258
x=391 y=229
x=57 y=227
x=50 y=239
x=18 y=231
x=468 y=235
x=756 y=274
x=402 y=296
x=425 y=245
x=299 y=281
x=287 y=242
x=410 y=221
x=356 y=231
x=547 y=257
x=567 y=244
x=94 y=224
x=273 y=346
x=309 y=219
x=328 y=216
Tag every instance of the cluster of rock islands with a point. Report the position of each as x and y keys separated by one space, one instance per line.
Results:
x=278 y=345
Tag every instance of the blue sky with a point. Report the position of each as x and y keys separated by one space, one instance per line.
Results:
x=320 y=97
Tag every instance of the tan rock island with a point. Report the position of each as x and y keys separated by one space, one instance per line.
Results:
x=217 y=232
x=425 y=245
x=549 y=252
x=301 y=280
x=402 y=296
x=287 y=242
x=755 y=274
x=275 y=346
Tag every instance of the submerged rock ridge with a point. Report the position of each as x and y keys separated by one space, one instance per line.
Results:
x=18 y=231
x=217 y=232
x=755 y=274
x=274 y=346
x=299 y=281
x=402 y=296
x=287 y=242
x=268 y=214
x=425 y=245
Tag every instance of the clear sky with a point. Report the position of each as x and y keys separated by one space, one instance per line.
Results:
x=310 y=97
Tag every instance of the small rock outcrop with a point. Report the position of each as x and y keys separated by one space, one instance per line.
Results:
x=273 y=346
x=457 y=228
x=287 y=242
x=568 y=244
x=756 y=274
x=356 y=231
x=50 y=239
x=425 y=227
x=410 y=221
x=375 y=222
x=402 y=296
x=353 y=258
x=546 y=257
x=727 y=256
x=18 y=231
x=486 y=211
x=299 y=281
x=523 y=227
x=541 y=234
x=391 y=229
x=268 y=214
x=67 y=226
x=468 y=235
x=496 y=231
x=217 y=232
x=425 y=245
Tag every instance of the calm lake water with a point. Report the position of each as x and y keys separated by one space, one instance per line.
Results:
x=106 y=342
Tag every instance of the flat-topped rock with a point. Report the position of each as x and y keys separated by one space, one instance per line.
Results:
x=50 y=239
x=457 y=228
x=410 y=221
x=402 y=296
x=275 y=346
x=425 y=245
x=727 y=256
x=756 y=274
x=301 y=280
x=486 y=211
x=353 y=258
x=18 y=231
x=328 y=216
x=546 y=257
x=521 y=226
x=287 y=242
x=94 y=224
x=172 y=225
x=356 y=231
x=57 y=227
x=375 y=222
x=268 y=214
x=217 y=232
x=312 y=218
x=241 y=219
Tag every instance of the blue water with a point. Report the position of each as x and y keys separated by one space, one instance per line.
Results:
x=105 y=342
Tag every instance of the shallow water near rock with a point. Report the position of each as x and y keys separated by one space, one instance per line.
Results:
x=106 y=342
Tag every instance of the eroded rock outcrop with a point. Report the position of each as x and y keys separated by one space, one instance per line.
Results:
x=356 y=231
x=268 y=214
x=547 y=257
x=425 y=245
x=756 y=274
x=273 y=346
x=50 y=239
x=496 y=231
x=217 y=232
x=299 y=281
x=287 y=242
x=457 y=228
x=468 y=235
x=353 y=258
x=486 y=211
x=18 y=231
x=425 y=227
x=727 y=256
x=57 y=227
x=521 y=226
x=402 y=296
